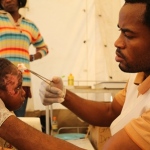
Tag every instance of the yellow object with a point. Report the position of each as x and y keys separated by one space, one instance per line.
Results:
x=54 y=125
x=71 y=80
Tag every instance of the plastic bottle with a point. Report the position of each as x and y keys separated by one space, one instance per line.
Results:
x=54 y=125
x=71 y=80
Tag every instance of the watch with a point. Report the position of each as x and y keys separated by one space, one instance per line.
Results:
x=32 y=58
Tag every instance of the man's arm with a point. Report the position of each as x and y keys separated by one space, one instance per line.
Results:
x=93 y=112
x=121 y=141
x=25 y=137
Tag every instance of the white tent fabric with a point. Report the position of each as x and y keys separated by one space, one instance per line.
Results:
x=80 y=36
x=107 y=15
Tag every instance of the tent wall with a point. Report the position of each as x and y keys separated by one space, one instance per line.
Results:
x=80 y=37
x=107 y=17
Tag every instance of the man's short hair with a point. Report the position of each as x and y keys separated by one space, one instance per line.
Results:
x=146 y=15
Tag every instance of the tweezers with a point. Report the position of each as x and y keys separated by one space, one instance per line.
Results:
x=41 y=77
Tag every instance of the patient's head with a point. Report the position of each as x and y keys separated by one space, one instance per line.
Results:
x=11 y=91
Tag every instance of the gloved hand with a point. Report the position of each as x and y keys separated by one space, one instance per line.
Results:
x=53 y=93
x=4 y=112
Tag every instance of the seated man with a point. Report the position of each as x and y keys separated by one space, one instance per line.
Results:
x=128 y=115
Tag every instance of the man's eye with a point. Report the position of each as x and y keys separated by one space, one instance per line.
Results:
x=128 y=36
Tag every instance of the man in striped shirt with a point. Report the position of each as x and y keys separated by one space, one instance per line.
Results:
x=16 y=35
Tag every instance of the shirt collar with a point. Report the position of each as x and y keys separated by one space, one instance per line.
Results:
x=144 y=83
x=5 y=12
x=139 y=78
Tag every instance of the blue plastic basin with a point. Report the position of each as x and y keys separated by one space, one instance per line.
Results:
x=70 y=136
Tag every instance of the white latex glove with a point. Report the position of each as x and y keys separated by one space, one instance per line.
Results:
x=4 y=112
x=53 y=93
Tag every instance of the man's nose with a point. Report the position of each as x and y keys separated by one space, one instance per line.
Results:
x=119 y=43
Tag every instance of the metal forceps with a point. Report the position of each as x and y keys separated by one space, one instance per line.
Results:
x=41 y=77
x=49 y=82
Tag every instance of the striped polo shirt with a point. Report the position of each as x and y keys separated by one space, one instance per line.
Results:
x=15 y=39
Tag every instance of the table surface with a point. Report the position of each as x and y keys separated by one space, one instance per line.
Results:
x=102 y=90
